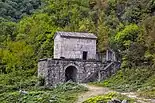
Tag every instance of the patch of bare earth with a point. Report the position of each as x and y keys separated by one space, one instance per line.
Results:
x=92 y=91
x=95 y=91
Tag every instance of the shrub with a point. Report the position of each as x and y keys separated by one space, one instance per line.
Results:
x=41 y=81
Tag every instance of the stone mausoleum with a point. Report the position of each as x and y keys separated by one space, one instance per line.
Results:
x=75 y=59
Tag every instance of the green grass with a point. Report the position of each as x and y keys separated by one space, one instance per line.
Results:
x=148 y=89
x=64 y=93
x=18 y=80
x=107 y=97
x=11 y=83
x=148 y=93
x=141 y=80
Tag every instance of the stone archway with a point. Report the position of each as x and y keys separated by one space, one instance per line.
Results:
x=71 y=74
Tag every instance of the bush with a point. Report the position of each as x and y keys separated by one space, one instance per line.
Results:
x=41 y=81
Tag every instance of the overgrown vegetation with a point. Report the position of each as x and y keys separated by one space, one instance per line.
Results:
x=26 y=34
x=18 y=80
x=64 y=93
x=108 y=97
x=141 y=80
x=15 y=9
x=127 y=26
x=21 y=86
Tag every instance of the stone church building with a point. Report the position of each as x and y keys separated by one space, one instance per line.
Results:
x=75 y=59
x=75 y=45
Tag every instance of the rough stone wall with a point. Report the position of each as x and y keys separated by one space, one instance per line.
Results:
x=42 y=68
x=54 y=69
x=57 y=46
x=74 y=47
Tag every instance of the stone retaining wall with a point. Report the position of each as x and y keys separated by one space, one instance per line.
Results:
x=53 y=70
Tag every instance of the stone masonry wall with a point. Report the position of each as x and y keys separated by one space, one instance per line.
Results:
x=57 y=46
x=53 y=70
x=74 y=47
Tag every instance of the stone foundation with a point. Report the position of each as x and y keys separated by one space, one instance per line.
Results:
x=54 y=70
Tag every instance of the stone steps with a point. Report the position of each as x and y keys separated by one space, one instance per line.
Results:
x=101 y=74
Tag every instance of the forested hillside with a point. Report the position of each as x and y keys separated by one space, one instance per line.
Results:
x=125 y=25
x=27 y=28
x=15 y=9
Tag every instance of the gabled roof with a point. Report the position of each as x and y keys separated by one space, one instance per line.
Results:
x=76 y=35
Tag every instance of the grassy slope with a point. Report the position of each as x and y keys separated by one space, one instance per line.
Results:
x=107 y=97
x=10 y=85
x=141 y=80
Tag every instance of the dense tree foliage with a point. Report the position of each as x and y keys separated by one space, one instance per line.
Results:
x=127 y=26
x=16 y=9
x=27 y=29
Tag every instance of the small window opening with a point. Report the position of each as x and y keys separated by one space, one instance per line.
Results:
x=85 y=55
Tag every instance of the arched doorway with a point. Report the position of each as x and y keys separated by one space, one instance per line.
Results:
x=70 y=74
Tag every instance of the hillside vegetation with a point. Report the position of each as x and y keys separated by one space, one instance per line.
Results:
x=107 y=97
x=140 y=80
x=15 y=9
x=125 y=25
x=27 y=28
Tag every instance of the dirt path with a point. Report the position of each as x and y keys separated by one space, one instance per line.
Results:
x=95 y=91
x=139 y=99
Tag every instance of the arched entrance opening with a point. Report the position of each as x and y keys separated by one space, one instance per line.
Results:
x=70 y=74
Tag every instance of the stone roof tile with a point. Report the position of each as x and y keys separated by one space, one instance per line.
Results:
x=76 y=35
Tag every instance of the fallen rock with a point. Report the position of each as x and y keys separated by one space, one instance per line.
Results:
x=124 y=101
x=116 y=101
x=23 y=92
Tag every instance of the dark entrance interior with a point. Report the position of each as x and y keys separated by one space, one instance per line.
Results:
x=85 y=55
x=70 y=73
